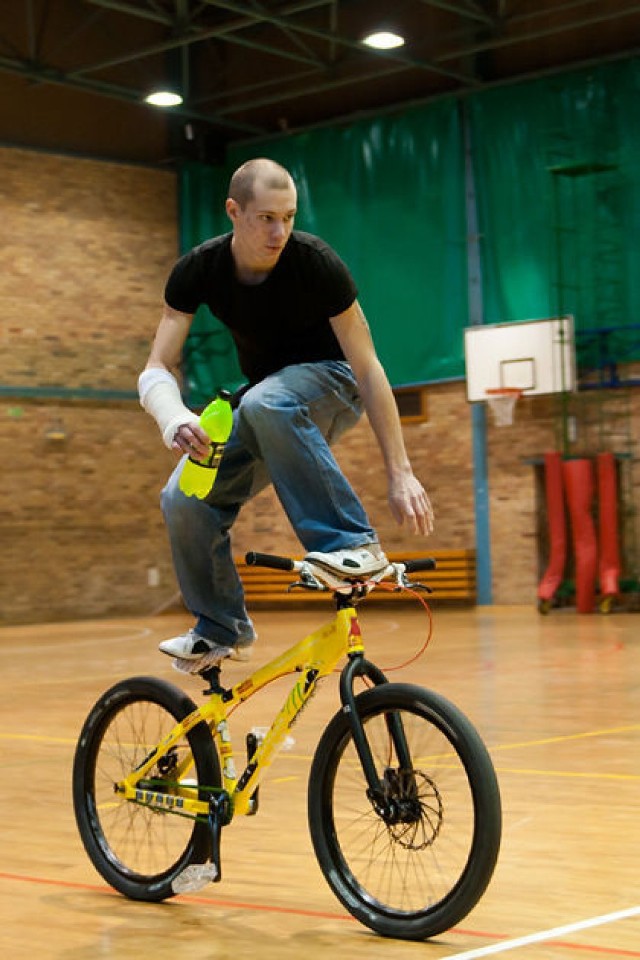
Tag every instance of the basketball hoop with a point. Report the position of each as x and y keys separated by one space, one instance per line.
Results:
x=502 y=402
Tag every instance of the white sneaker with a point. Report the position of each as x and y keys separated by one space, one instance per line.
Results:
x=194 y=653
x=364 y=561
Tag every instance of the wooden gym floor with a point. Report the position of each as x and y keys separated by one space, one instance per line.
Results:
x=556 y=699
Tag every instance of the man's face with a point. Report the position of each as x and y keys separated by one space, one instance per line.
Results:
x=261 y=230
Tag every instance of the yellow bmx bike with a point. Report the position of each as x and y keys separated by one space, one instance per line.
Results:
x=403 y=802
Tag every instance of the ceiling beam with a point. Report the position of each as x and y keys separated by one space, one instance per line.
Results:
x=133 y=11
x=344 y=42
x=514 y=39
x=224 y=95
x=274 y=51
x=44 y=74
x=287 y=31
x=196 y=34
x=560 y=7
x=480 y=16
x=296 y=92
x=185 y=40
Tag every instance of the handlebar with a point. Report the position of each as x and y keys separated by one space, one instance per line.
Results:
x=269 y=560
x=420 y=563
x=275 y=562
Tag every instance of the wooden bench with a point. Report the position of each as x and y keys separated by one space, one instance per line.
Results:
x=453 y=579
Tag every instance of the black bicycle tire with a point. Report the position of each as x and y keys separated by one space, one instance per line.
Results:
x=487 y=818
x=148 y=887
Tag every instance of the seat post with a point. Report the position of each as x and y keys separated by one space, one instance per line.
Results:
x=212 y=676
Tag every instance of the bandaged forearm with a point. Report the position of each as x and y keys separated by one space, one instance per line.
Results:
x=160 y=396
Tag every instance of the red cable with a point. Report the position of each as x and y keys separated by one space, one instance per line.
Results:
x=390 y=589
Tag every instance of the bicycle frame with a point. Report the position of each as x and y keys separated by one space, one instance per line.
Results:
x=314 y=657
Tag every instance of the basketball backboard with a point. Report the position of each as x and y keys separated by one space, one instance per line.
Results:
x=534 y=356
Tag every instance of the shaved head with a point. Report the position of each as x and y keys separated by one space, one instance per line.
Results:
x=267 y=172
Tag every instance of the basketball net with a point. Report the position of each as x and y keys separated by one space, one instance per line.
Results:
x=502 y=402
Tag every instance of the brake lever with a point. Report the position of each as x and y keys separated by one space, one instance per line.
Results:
x=404 y=582
x=415 y=585
x=307 y=581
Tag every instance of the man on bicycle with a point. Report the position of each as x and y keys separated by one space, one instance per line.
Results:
x=305 y=348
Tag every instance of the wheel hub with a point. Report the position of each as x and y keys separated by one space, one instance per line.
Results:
x=411 y=807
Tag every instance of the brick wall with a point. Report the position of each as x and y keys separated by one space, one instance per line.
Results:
x=85 y=247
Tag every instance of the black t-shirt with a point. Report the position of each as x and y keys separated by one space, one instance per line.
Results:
x=284 y=319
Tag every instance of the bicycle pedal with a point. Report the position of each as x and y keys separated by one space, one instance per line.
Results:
x=195 y=877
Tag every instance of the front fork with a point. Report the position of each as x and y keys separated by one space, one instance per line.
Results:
x=358 y=666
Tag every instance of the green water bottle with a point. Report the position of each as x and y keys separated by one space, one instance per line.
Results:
x=198 y=476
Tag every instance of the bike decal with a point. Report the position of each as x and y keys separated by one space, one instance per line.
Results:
x=150 y=798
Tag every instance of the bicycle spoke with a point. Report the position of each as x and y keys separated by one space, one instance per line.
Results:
x=404 y=866
x=147 y=840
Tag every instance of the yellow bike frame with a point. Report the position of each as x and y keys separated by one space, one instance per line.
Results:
x=314 y=657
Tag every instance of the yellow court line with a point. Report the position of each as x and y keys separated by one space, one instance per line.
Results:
x=42 y=738
x=37 y=738
x=564 y=738
x=569 y=773
x=517 y=746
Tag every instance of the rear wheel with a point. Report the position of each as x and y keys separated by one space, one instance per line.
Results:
x=414 y=860
x=140 y=849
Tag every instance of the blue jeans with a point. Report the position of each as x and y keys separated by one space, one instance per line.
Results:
x=281 y=435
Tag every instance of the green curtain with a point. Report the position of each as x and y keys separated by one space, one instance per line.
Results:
x=559 y=200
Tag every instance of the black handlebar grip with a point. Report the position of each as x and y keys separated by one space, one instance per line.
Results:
x=268 y=560
x=423 y=563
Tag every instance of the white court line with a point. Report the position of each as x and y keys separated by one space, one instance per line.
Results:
x=552 y=934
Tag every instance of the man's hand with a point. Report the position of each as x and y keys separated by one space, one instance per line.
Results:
x=409 y=503
x=190 y=438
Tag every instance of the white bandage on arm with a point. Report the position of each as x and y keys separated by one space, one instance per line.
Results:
x=160 y=396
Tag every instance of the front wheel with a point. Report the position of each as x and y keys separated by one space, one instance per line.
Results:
x=413 y=861
x=141 y=849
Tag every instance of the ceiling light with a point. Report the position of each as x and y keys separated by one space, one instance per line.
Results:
x=384 y=40
x=164 y=98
